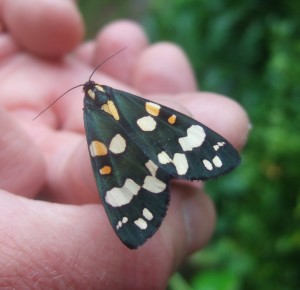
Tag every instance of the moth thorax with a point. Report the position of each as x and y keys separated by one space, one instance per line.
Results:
x=100 y=97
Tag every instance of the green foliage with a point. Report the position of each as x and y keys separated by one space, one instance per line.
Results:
x=97 y=13
x=249 y=50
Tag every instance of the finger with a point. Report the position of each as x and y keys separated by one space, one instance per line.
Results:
x=85 y=52
x=70 y=176
x=79 y=247
x=22 y=168
x=163 y=68
x=189 y=223
x=53 y=28
x=29 y=84
x=8 y=46
x=222 y=114
x=114 y=37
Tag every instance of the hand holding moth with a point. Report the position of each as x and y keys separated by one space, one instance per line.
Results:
x=52 y=163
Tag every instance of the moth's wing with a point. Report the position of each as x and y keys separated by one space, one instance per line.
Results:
x=134 y=191
x=180 y=145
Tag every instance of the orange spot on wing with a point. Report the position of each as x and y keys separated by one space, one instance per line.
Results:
x=152 y=108
x=172 y=119
x=105 y=170
x=98 y=148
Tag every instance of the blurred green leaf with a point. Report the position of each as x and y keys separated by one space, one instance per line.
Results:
x=221 y=280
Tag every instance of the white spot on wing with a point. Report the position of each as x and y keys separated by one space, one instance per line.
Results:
x=207 y=164
x=117 y=144
x=147 y=214
x=179 y=161
x=195 y=137
x=217 y=161
x=122 y=222
x=164 y=158
x=142 y=224
x=119 y=225
x=119 y=196
x=153 y=184
x=218 y=145
x=146 y=123
x=152 y=167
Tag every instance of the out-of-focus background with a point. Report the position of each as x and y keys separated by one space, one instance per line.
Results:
x=249 y=50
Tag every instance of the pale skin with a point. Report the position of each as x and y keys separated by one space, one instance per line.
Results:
x=53 y=229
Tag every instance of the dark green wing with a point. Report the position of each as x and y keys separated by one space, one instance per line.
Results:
x=134 y=191
x=136 y=146
x=180 y=145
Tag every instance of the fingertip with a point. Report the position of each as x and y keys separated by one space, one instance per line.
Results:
x=52 y=28
x=220 y=113
x=163 y=68
x=113 y=37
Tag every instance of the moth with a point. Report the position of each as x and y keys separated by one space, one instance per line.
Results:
x=136 y=147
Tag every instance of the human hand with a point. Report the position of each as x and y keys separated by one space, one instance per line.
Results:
x=59 y=235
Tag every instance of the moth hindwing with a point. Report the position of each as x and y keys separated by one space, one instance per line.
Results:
x=136 y=146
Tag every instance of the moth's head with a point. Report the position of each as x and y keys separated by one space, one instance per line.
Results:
x=89 y=85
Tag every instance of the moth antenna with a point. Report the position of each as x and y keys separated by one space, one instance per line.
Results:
x=103 y=62
x=97 y=67
x=56 y=101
